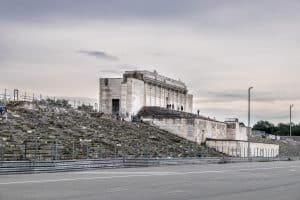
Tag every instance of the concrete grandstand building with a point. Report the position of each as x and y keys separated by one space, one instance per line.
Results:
x=127 y=95
x=165 y=103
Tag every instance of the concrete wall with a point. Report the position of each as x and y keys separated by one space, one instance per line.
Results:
x=198 y=129
x=142 y=88
x=160 y=96
x=240 y=148
x=108 y=92
x=135 y=95
x=182 y=127
x=235 y=131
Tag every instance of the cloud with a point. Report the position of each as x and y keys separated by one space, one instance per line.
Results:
x=35 y=10
x=218 y=49
x=242 y=95
x=99 y=54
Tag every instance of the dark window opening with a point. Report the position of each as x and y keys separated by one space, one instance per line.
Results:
x=106 y=82
x=115 y=106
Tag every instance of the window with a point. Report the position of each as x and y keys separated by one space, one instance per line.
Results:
x=106 y=82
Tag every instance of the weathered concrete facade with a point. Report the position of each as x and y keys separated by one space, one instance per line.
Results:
x=165 y=103
x=200 y=129
x=240 y=148
x=229 y=137
x=127 y=95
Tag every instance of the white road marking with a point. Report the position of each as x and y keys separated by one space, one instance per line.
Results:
x=70 y=179
x=175 y=192
x=119 y=189
x=144 y=174
x=107 y=172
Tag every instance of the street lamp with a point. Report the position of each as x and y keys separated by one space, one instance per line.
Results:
x=291 y=106
x=249 y=98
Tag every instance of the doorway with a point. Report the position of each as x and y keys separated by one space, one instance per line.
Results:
x=115 y=106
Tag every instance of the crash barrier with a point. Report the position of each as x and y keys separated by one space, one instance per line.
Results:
x=14 y=167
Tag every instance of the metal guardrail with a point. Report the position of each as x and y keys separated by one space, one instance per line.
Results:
x=14 y=167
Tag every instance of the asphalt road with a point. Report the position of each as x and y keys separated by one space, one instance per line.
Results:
x=242 y=181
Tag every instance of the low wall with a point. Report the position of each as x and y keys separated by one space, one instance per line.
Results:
x=14 y=167
x=240 y=148
x=198 y=130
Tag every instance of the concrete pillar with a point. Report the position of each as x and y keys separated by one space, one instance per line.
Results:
x=184 y=103
x=160 y=96
x=174 y=97
x=178 y=104
x=155 y=95
x=145 y=93
x=150 y=93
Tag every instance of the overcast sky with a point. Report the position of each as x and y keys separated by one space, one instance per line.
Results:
x=218 y=48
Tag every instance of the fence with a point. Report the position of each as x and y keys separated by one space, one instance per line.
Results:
x=243 y=148
x=19 y=95
x=11 y=167
x=51 y=149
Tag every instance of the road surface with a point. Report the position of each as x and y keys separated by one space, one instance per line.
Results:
x=240 y=181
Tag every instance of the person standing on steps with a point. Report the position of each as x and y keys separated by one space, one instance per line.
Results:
x=1 y=110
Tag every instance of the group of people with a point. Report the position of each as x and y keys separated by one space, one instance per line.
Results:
x=3 y=111
x=171 y=106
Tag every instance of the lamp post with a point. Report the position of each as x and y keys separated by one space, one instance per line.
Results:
x=249 y=98
x=291 y=106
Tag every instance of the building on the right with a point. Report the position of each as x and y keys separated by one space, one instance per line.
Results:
x=228 y=137
x=240 y=148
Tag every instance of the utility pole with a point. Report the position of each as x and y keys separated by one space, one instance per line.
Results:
x=249 y=99
x=291 y=106
x=249 y=131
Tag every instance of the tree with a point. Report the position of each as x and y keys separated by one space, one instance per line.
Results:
x=281 y=128
x=265 y=126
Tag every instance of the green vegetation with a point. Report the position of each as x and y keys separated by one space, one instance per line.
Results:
x=279 y=129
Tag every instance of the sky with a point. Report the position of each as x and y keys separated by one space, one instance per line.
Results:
x=218 y=48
